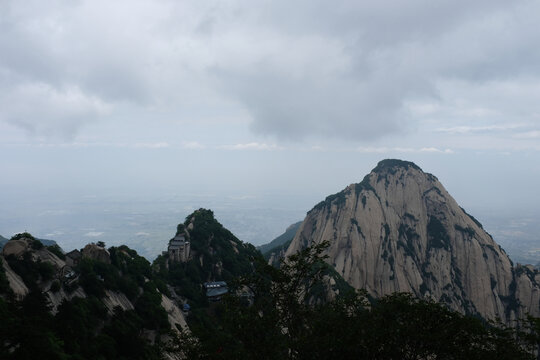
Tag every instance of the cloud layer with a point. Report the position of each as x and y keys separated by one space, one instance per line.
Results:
x=349 y=70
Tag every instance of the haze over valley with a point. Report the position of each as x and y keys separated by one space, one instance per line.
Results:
x=146 y=222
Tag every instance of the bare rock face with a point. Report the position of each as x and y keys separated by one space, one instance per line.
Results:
x=16 y=247
x=174 y=314
x=95 y=252
x=20 y=248
x=400 y=230
x=56 y=298
x=15 y=282
x=113 y=299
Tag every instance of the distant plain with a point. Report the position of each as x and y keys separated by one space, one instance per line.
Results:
x=146 y=223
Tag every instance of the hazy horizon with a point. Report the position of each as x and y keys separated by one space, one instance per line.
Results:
x=146 y=221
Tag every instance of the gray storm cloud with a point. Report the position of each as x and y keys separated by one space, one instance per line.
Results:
x=46 y=111
x=308 y=68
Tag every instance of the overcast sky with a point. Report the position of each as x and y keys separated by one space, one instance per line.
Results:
x=268 y=97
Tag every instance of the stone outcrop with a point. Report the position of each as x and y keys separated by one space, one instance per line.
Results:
x=20 y=248
x=114 y=299
x=15 y=282
x=400 y=230
x=47 y=256
x=16 y=247
x=95 y=252
x=56 y=298
x=174 y=314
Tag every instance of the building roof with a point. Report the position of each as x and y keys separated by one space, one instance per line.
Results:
x=216 y=288
x=177 y=242
x=216 y=292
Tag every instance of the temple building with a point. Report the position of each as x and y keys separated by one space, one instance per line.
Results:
x=178 y=249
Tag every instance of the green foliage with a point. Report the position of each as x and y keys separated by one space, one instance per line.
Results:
x=410 y=216
x=468 y=231
x=46 y=270
x=124 y=328
x=180 y=229
x=473 y=218
x=83 y=328
x=407 y=237
x=216 y=255
x=188 y=279
x=364 y=185
x=127 y=273
x=351 y=326
x=130 y=264
x=437 y=235
x=337 y=198
x=4 y=283
x=27 y=329
x=77 y=322
x=29 y=270
x=6 y=327
x=278 y=249
x=55 y=286
x=433 y=188
x=90 y=277
x=149 y=309
x=392 y=164
x=56 y=250
x=36 y=244
x=22 y=236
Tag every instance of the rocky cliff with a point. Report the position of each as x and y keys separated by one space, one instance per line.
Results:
x=108 y=294
x=400 y=230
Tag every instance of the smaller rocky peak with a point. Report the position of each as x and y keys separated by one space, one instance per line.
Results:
x=204 y=231
x=21 y=243
x=96 y=252
x=16 y=248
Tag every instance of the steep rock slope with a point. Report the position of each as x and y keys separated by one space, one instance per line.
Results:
x=400 y=230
